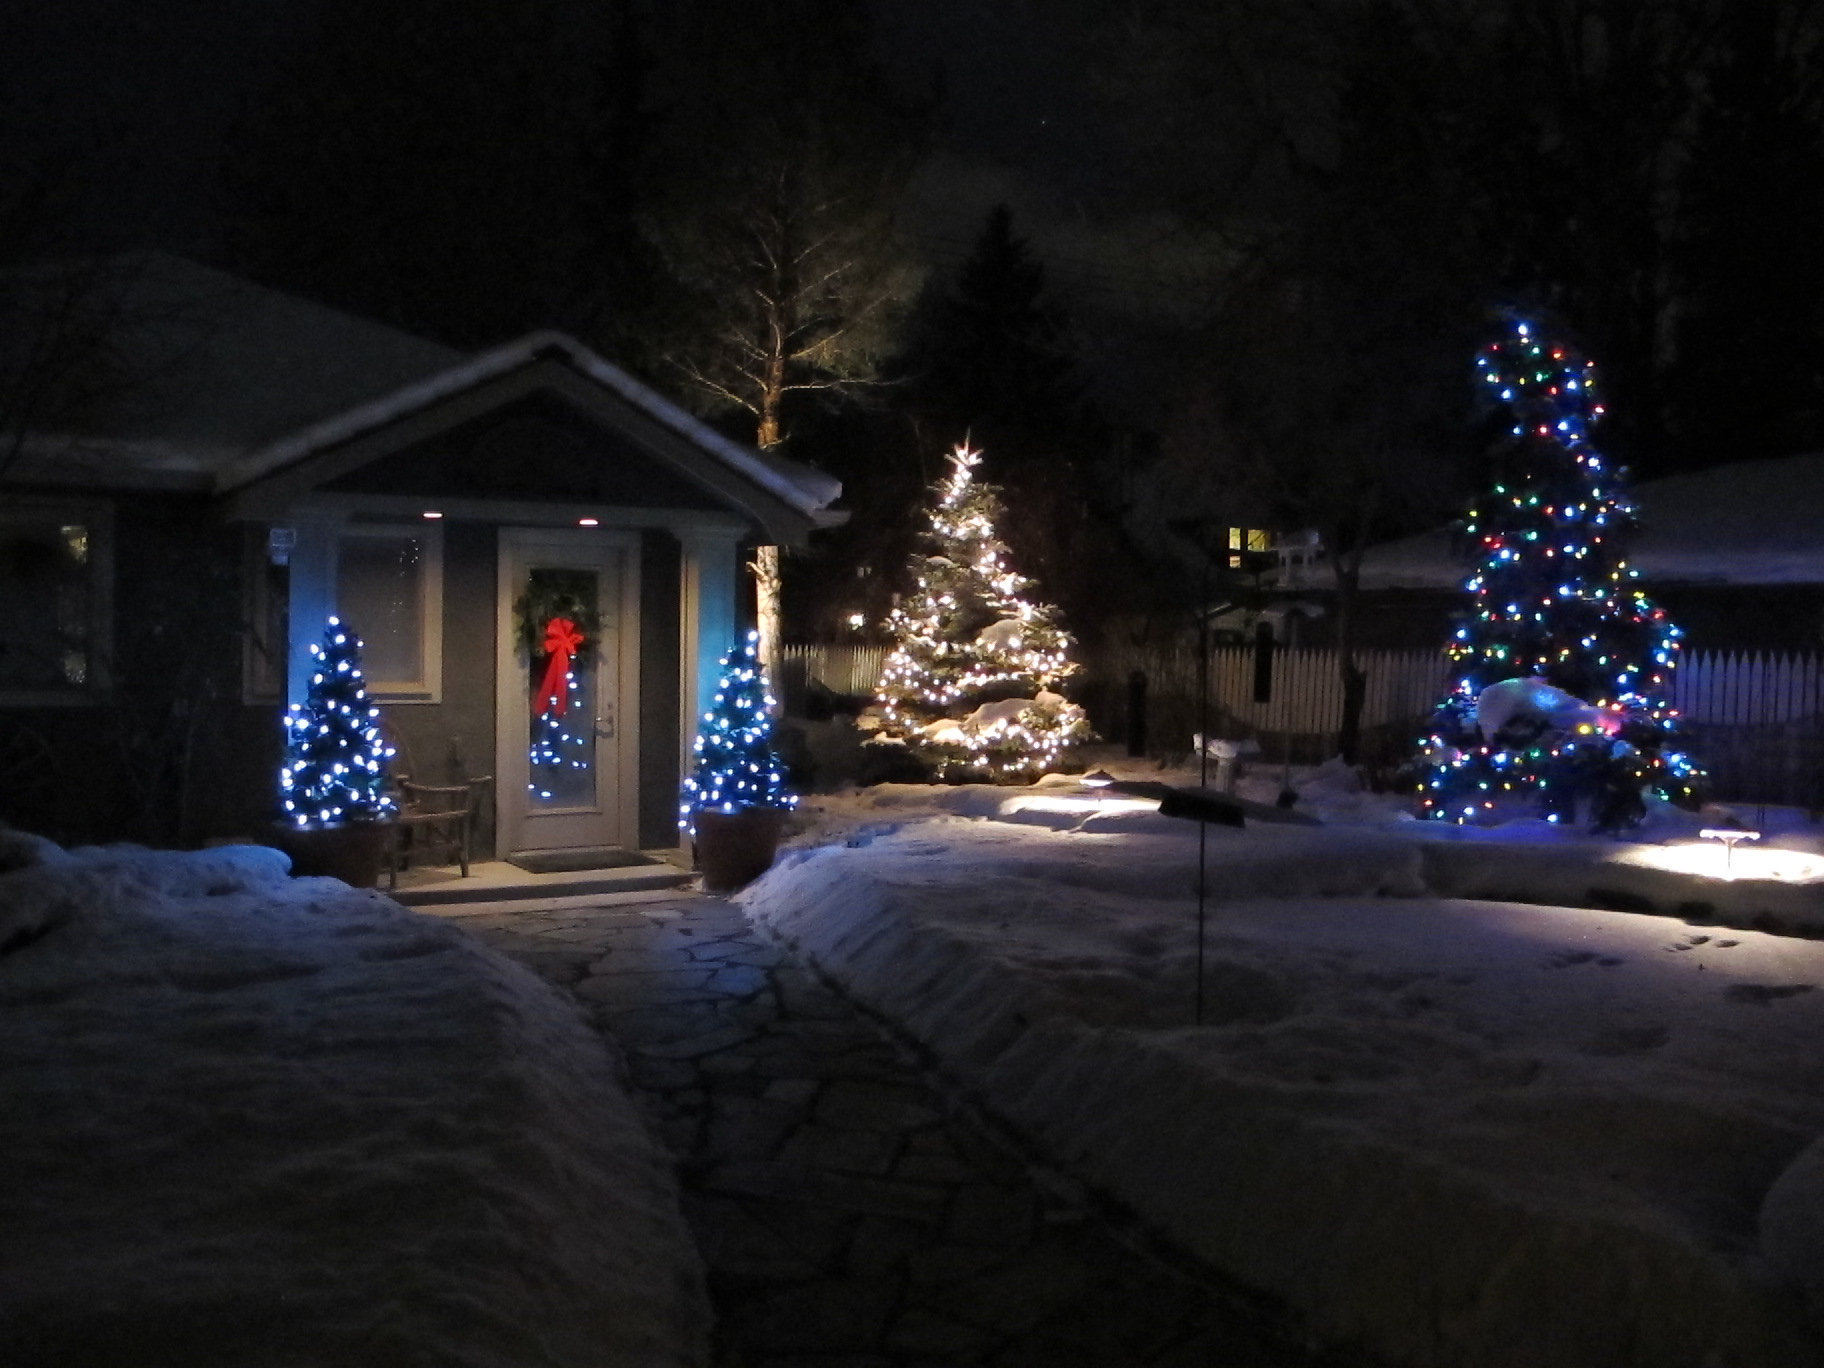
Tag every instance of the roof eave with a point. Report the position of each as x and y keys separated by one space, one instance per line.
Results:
x=347 y=427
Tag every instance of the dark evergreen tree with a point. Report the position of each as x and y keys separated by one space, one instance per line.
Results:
x=736 y=766
x=1562 y=666
x=995 y=356
x=1651 y=170
x=1753 y=323
x=993 y=359
x=335 y=760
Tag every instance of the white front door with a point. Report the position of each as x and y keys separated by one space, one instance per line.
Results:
x=567 y=753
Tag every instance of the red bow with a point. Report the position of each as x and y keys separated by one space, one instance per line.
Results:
x=562 y=642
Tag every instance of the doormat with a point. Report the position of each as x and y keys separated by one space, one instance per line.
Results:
x=576 y=861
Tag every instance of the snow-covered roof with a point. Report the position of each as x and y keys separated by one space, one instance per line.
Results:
x=210 y=382
x=193 y=367
x=1753 y=522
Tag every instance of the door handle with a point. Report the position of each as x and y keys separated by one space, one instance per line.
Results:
x=604 y=724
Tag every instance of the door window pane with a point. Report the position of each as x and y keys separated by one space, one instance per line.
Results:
x=561 y=687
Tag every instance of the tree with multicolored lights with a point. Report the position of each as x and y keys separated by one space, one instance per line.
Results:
x=736 y=766
x=970 y=687
x=335 y=758
x=1562 y=666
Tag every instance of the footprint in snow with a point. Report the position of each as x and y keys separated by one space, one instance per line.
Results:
x=1626 y=1040
x=1764 y=994
x=1564 y=959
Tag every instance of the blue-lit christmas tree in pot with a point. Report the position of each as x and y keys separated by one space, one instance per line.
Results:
x=332 y=786
x=736 y=797
x=1559 y=705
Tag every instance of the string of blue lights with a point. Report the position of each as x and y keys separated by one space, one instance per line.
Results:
x=335 y=758
x=736 y=766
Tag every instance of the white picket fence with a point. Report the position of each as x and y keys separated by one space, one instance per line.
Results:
x=1755 y=718
x=1736 y=689
x=1748 y=689
x=842 y=669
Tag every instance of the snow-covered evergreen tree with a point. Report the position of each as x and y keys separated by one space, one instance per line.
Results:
x=971 y=684
x=1561 y=667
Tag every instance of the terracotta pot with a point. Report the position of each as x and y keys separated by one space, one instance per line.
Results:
x=735 y=848
x=354 y=852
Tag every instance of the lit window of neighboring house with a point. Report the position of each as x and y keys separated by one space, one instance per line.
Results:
x=55 y=613
x=1247 y=539
x=389 y=585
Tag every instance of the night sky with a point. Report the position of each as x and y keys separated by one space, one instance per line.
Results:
x=139 y=99
x=142 y=96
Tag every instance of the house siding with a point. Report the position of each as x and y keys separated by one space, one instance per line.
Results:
x=453 y=740
x=166 y=752
x=661 y=564
x=537 y=448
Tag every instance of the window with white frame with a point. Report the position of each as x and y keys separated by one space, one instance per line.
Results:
x=389 y=586
x=54 y=609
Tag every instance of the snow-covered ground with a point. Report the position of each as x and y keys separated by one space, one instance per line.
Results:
x=1459 y=1130
x=252 y=1120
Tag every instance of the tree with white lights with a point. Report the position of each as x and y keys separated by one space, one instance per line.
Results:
x=1562 y=668
x=736 y=766
x=971 y=684
x=335 y=759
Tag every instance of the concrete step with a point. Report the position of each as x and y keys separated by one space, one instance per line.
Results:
x=497 y=881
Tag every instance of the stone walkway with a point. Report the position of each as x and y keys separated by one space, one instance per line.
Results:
x=850 y=1212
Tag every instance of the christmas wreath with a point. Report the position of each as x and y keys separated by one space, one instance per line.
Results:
x=556 y=618
x=557 y=595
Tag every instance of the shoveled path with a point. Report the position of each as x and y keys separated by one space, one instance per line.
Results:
x=851 y=1213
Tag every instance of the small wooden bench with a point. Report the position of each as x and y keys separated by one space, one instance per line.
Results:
x=434 y=819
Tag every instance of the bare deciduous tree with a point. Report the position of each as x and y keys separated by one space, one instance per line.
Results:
x=789 y=154
x=796 y=278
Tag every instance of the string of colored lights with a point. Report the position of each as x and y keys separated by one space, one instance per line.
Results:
x=1554 y=600
x=969 y=634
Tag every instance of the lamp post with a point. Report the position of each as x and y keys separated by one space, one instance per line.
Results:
x=1730 y=837
x=1208 y=536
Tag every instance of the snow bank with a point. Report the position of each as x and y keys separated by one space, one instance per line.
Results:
x=1374 y=841
x=1778 y=890
x=1462 y=1132
x=252 y=1119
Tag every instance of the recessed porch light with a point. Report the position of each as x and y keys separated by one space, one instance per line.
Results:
x=588 y=522
x=432 y=514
